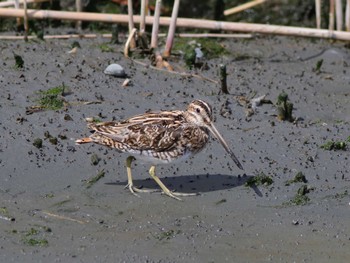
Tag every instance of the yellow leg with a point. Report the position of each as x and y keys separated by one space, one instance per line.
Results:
x=130 y=184
x=152 y=172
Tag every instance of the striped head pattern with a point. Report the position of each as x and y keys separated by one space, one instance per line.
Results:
x=200 y=113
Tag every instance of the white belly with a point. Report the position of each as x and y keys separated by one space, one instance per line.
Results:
x=147 y=156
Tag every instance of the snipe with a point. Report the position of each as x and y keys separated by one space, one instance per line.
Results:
x=160 y=137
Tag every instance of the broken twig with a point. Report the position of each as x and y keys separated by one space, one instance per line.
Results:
x=63 y=217
x=128 y=42
x=243 y=7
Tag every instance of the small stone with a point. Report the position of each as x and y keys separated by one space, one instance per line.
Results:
x=295 y=222
x=115 y=70
x=89 y=119
x=67 y=117
x=199 y=53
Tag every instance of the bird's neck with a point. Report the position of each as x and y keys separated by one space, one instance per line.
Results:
x=190 y=117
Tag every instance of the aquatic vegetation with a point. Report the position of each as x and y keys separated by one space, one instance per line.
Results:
x=318 y=66
x=95 y=159
x=38 y=143
x=75 y=44
x=95 y=179
x=19 y=62
x=284 y=108
x=104 y=47
x=298 y=178
x=52 y=99
x=338 y=196
x=209 y=48
x=298 y=200
x=301 y=197
x=52 y=140
x=261 y=179
x=33 y=237
x=167 y=234
x=334 y=145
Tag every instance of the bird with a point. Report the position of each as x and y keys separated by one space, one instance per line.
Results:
x=160 y=138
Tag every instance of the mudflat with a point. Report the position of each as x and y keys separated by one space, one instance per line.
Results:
x=52 y=209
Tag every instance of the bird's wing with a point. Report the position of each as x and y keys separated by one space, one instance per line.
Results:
x=156 y=131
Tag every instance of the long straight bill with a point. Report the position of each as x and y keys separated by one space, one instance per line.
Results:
x=218 y=136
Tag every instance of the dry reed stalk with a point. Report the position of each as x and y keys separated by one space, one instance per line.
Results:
x=159 y=62
x=155 y=28
x=143 y=17
x=128 y=42
x=12 y=3
x=331 y=15
x=347 y=16
x=183 y=22
x=63 y=217
x=339 y=14
x=183 y=35
x=2 y=37
x=243 y=7
x=318 y=13
x=142 y=37
x=79 y=8
x=208 y=35
x=171 y=32
x=131 y=23
x=25 y=20
x=18 y=19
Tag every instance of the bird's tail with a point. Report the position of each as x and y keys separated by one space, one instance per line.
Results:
x=83 y=140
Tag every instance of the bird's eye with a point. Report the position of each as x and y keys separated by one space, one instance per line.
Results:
x=198 y=110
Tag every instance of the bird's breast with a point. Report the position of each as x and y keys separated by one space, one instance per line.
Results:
x=195 y=138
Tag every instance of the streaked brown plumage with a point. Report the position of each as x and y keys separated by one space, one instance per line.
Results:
x=160 y=137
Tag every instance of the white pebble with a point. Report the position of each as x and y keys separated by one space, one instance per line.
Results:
x=115 y=70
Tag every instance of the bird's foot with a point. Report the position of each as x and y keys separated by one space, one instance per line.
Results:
x=176 y=195
x=134 y=190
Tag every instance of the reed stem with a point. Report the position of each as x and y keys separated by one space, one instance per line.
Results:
x=171 y=32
